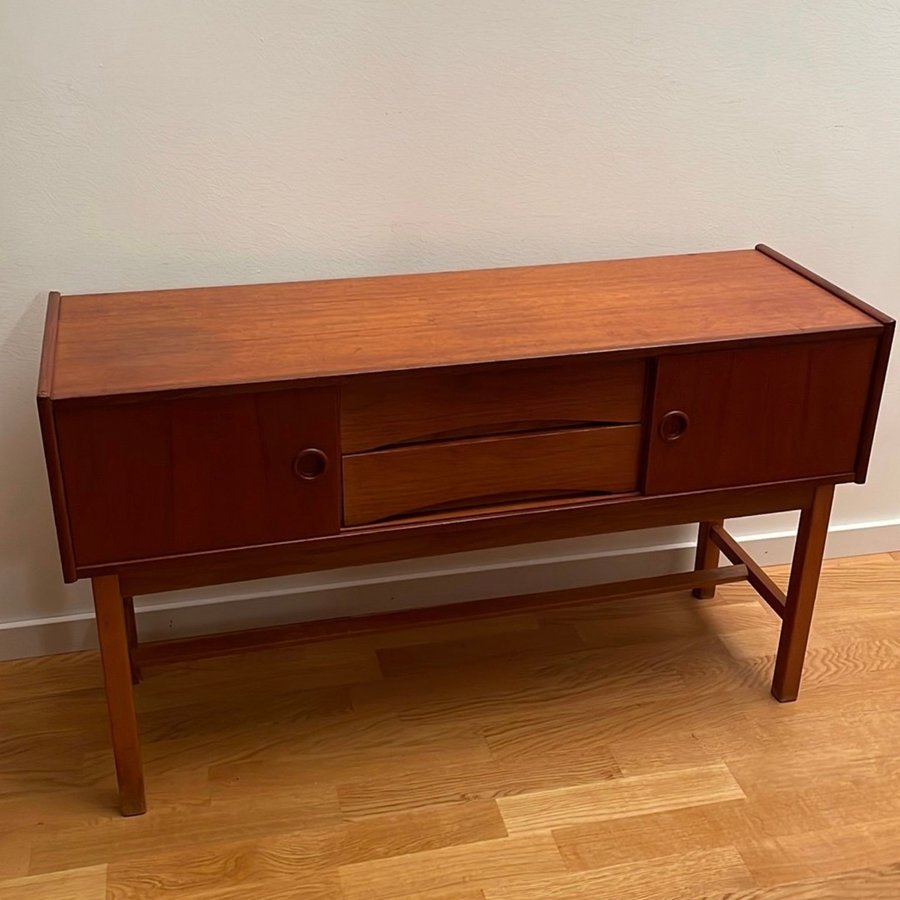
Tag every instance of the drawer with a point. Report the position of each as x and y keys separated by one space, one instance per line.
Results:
x=165 y=476
x=381 y=411
x=459 y=474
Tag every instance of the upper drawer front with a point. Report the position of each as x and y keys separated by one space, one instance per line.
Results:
x=453 y=474
x=382 y=411
x=159 y=477
x=762 y=414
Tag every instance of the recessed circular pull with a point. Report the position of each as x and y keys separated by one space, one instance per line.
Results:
x=673 y=425
x=310 y=463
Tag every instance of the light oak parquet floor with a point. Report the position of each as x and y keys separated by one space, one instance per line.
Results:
x=624 y=750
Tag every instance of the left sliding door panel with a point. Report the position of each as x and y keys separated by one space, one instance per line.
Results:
x=165 y=476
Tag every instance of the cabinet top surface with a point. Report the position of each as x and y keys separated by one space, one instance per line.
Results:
x=161 y=340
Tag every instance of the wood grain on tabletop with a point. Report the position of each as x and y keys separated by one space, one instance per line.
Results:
x=156 y=340
x=593 y=752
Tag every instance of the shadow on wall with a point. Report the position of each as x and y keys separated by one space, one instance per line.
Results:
x=30 y=575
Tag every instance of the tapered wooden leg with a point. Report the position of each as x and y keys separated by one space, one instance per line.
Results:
x=131 y=631
x=801 y=595
x=112 y=632
x=707 y=558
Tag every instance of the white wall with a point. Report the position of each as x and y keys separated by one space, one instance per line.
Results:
x=162 y=143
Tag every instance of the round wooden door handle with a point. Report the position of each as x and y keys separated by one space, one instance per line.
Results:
x=310 y=463
x=673 y=425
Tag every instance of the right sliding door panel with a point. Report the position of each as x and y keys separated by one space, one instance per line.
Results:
x=750 y=416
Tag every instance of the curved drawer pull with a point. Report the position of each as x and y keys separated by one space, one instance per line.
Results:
x=673 y=425
x=310 y=463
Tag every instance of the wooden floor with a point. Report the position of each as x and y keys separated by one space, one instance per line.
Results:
x=628 y=750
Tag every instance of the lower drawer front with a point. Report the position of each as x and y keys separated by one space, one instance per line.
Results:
x=456 y=474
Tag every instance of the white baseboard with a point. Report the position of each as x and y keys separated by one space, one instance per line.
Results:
x=424 y=582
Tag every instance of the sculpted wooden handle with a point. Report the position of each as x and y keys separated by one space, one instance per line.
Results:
x=310 y=463
x=673 y=425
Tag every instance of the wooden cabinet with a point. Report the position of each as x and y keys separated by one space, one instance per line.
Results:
x=208 y=435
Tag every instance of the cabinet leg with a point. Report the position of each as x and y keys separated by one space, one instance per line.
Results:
x=707 y=558
x=112 y=632
x=131 y=631
x=801 y=595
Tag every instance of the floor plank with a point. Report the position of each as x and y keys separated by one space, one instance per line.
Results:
x=310 y=855
x=619 y=798
x=664 y=878
x=15 y=853
x=870 y=883
x=111 y=840
x=473 y=866
x=822 y=852
x=462 y=782
x=87 y=883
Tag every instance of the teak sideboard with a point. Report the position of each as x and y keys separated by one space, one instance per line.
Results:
x=212 y=435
